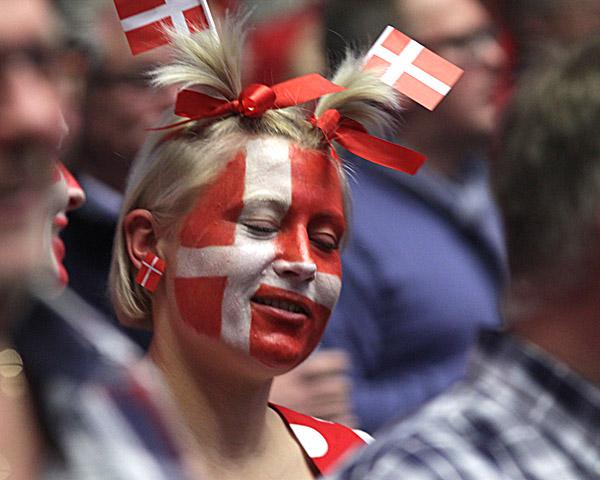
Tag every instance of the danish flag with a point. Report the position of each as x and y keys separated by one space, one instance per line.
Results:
x=150 y=272
x=411 y=68
x=143 y=21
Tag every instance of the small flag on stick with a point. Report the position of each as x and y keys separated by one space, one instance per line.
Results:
x=143 y=20
x=411 y=68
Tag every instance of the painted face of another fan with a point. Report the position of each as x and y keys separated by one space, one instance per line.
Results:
x=258 y=265
x=65 y=195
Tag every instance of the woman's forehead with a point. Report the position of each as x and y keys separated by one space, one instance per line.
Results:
x=274 y=172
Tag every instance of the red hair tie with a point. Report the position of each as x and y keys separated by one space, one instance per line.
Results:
x=254 y=100
x=351 y=135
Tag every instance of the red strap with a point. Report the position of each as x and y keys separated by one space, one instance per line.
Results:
x=354 y=137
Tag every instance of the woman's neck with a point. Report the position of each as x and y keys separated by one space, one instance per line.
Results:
x=217 y=406
x=235 y=433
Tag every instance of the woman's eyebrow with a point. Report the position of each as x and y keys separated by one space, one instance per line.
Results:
x=273 y=203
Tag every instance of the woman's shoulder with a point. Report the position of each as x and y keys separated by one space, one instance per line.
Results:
x=325 y=442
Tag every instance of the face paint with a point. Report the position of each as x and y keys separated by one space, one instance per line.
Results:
x=258 y=265
x=66 y=194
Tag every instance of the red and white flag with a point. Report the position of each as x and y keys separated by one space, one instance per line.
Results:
x=411 y=68
x=143 y=20
x=150 y=272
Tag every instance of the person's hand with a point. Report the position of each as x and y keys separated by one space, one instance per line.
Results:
x=319 y=387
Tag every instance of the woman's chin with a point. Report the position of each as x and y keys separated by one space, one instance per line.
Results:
x=280 y=355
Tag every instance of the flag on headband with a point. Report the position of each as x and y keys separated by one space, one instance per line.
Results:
x=411 y=68
x=143 y=20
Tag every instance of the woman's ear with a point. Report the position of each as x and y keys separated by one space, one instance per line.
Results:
x=140 y=235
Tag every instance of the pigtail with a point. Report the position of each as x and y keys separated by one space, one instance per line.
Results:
x=366 y=99
x=205 y=60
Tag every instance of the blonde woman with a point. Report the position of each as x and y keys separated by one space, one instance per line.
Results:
x=233 y=222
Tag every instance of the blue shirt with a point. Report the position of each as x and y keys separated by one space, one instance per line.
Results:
x=422 y=274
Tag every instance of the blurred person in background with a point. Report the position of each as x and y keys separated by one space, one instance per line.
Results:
x=538 y=28
x=119 y=106
x=286 y=39
x=530 y=405
x=425 y=263
x=534 y=31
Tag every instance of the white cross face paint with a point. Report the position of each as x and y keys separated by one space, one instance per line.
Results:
x=258 y=265
x=65 y=195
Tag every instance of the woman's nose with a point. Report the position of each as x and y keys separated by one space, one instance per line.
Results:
x=300 y=271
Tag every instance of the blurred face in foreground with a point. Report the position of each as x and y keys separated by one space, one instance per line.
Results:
x=256 y=267
x=30 y=130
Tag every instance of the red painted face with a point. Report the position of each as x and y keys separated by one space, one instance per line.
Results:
x=258 y=265
x=66 y=195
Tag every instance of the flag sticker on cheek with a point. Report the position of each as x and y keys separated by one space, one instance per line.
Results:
x=223 y=265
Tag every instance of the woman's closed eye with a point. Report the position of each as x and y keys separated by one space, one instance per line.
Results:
x=261 y=228
x=326 y=241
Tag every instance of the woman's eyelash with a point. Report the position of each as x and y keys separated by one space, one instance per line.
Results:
x=327 y=245
x=260 y=228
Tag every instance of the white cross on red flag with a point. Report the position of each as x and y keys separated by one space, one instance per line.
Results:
x=143 y=21
x=150 y=273
x=411 y=68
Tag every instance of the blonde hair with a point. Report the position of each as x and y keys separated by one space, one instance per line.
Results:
x=171 y=171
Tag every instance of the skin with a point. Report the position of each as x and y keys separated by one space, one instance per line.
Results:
x=222 y=380
x=467 y=116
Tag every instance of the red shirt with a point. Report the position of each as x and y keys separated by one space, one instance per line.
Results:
x=325 y=443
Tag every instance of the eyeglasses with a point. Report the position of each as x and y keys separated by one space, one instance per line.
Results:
x=40 y=57
x=471 y=44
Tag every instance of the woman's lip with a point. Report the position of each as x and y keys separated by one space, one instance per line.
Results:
x=273 y=294
x=60 y=221
x=286 y=317
x=58 y=248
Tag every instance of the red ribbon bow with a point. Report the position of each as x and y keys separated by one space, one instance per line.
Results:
x=351 y=135
x=254 y=100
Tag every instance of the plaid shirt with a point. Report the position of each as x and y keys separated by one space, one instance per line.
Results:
x=103 y=410
x=518 y=415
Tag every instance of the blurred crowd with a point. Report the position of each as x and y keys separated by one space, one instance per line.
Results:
x=466 y=335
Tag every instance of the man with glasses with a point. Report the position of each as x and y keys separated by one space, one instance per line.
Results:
x=530 y=406
x=425 y=263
